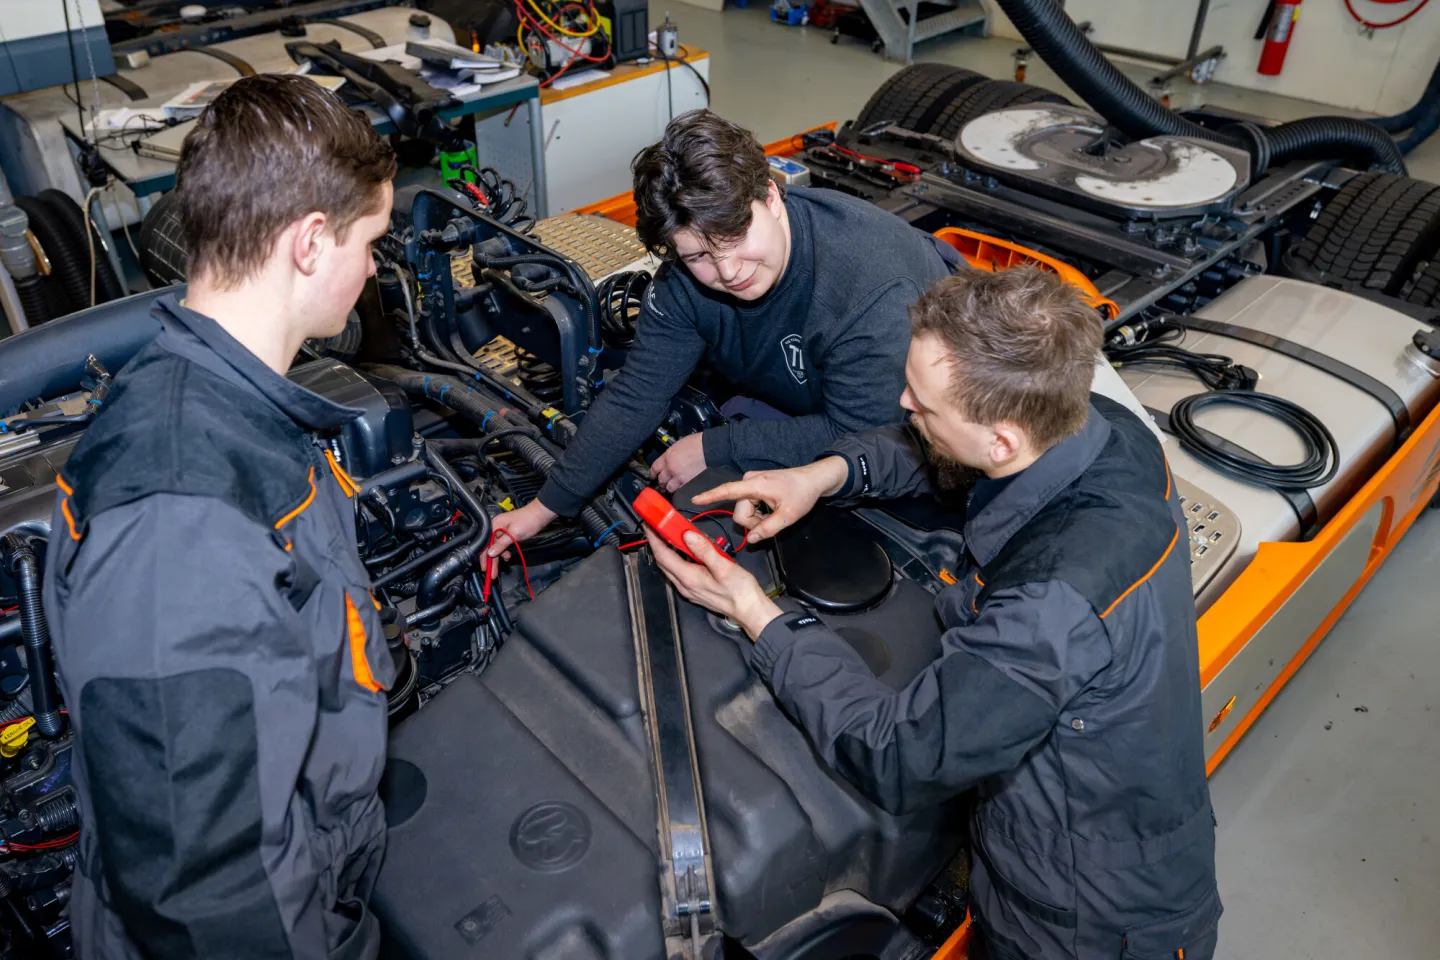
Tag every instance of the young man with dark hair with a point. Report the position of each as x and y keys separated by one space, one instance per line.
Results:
x=797 y=297
x=220 y=655
x=1067 y=691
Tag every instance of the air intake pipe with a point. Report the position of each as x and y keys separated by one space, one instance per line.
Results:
x=1066 y=50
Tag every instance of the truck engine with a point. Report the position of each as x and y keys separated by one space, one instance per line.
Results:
x=581 y=763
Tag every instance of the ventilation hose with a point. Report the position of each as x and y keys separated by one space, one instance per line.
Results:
x=20 y=560
x=1087 y=71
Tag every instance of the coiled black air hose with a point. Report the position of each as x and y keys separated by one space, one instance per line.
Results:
x=1322 y=455
x=1065 y=49
x=20 y=560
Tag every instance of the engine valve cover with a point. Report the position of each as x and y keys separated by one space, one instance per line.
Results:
x=1065 y=151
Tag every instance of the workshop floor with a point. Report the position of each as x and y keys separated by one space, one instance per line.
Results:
x=1329 y=813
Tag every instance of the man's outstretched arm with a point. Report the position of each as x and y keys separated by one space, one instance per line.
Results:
x=994 y=694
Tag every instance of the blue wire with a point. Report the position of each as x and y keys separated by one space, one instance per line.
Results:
x=606 y=533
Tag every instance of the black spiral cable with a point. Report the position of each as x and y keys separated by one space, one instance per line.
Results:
x=502 y=200
x=620 y=296
x=1317 y=468
x=539 y=377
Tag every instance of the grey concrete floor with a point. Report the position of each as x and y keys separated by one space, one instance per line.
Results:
x=1328 y=836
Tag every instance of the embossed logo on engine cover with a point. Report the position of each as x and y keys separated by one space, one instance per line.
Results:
x=551 y=836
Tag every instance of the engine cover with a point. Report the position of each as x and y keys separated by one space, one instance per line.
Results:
x=522 y=808
x=1063 y=151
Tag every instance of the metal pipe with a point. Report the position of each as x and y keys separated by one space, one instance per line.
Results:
x=1201 y=13
x=17 y=258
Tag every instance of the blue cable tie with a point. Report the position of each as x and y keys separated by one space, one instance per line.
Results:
x=485 y=422
x=602 y=536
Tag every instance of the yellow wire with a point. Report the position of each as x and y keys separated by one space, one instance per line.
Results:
x=594 y=24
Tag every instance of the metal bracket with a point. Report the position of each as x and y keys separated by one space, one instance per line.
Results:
x=687 y=882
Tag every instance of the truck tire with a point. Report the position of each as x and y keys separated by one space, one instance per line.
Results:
x=986 y=98
x=1373 y=234
x=163 y=256
x=917 y=95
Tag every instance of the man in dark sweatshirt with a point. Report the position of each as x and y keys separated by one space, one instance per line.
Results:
x=798 y=297
x=1067 y=690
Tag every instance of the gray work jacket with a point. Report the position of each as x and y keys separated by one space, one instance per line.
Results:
x=222 y=663
x=1067 y=695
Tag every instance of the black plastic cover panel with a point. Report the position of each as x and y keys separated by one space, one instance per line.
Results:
x=532 y=835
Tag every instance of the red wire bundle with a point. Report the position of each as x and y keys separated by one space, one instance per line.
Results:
x=64 y=841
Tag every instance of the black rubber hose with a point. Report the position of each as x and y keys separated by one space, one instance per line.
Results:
x=584 y=290
x=1401 y=122
x=107 y=286
x=462 y=556
x=57 y=815
x=70 y=267
x=17 y=708
x=1065 y=49
x=32 y=299
x=21 y=561
x=1424 y=128
x=435 y=610
x=415 y=564
x=491 y=419
x=1320 y=138
x=1322 y=455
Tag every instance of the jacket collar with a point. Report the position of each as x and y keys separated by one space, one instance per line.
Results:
x=201 y=340
x=988 y=531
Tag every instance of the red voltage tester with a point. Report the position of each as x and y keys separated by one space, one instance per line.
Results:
x=662 y=517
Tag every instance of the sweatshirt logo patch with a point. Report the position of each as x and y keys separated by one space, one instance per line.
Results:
x=804 y=622
x=650 y=300
x=794 y=349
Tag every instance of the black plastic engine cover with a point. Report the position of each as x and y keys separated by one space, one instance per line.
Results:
x=533 y=837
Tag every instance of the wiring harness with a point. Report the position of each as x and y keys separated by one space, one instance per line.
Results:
x=1155 y=342
x=572 y=27
x=820 y=146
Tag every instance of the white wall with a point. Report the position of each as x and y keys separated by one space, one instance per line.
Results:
x=36 y=18
x=1329 y=61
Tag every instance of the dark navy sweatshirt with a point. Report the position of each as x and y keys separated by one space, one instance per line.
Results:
x=827 y=345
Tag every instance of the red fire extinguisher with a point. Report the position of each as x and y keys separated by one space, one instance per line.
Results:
x=1277 y=38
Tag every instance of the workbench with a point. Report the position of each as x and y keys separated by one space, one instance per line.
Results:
x=146 y=175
